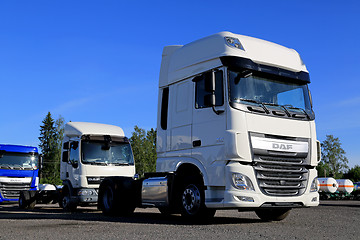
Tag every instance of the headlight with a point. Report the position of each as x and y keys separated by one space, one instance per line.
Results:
x=242 y=182
x=314 y=185
x=86 y=192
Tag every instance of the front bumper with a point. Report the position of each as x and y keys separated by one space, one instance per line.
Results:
x=231 y=197
x=87 y=195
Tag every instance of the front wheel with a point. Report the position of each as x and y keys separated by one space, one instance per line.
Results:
x=192 y=201
x=272 y=214
x=26 y=200
x=65 y=201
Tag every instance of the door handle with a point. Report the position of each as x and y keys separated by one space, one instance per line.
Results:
x=197 y=143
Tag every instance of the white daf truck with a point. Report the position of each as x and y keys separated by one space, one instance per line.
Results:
x=235 y=130
x=91 y=152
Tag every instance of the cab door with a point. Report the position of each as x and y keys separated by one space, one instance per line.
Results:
x=209 y=125
x=73 y=169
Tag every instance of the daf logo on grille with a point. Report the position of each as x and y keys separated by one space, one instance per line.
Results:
x=282 y=146
x=15 y=180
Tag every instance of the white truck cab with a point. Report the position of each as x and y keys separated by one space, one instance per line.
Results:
x=91 y=152
x=238 y=110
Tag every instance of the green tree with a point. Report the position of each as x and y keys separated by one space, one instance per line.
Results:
x=353 y=174
x=51 y=137
x=143 y=144
x=323 y=169
x=334 y=160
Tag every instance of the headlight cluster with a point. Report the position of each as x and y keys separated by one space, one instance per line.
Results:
x=87 y=192
x=242 y=182
x=314 y=185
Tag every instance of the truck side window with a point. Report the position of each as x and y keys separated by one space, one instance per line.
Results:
x=200 y=91
x=164 y=108
x=74 y=153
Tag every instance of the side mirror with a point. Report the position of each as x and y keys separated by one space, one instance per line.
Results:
x=74 y=145
x=210 y=87
x=66 y=145
x=209 y=100
x=210 y=82
x=40 y=161
x=74 y=164
x=65 y=156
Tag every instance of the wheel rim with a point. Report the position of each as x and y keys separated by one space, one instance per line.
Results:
x=191 y=199
x=108 y=198
x=65 y=201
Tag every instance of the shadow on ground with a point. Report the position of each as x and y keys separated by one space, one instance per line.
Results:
x=92 y=214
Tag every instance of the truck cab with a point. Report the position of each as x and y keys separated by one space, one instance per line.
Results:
x=235 y=112
x=91 y=152
x=19 y=168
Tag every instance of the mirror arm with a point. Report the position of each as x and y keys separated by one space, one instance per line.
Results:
x=218 y=112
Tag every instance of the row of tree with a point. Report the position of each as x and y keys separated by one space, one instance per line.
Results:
x=334 y=162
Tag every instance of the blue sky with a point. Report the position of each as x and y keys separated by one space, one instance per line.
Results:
x=98 y=61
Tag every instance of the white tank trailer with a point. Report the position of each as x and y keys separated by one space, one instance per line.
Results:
x=328 y=185
x=345 y=185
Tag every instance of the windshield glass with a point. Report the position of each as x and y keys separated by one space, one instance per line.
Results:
x=9 y=160
x=96 y=153
x=268 y=91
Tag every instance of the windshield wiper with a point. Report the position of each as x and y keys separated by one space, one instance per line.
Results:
x=247 y=100
x=305 y=114
x=17 y=166
x=5 y=166
x=98 y=163
x=121 y=164
x=271 y=104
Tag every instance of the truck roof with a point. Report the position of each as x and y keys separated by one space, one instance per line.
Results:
x=179 y=61
x=87 y=128
x=18 y=148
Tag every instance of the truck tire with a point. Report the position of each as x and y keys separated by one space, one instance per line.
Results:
x=116 y=197
x=22 y=200
x=27 y=200
x=192 y=201
x=65 y=201
x=269 y=215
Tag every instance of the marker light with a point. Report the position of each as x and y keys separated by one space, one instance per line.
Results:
x=245 y=199
x=234 y=42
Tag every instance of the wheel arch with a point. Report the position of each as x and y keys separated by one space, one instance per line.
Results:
x=190 y=169
x=67 y=185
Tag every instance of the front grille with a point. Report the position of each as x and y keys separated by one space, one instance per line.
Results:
x=12 y=190
x=281 y=176
x=95 y=180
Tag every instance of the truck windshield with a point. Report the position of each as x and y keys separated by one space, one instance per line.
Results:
x=94 y=152
x=255 y=89
x=19 y=161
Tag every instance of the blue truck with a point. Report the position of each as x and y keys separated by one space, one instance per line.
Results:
x=19 y=170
